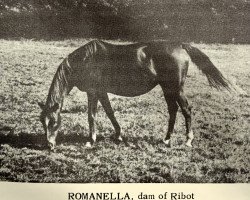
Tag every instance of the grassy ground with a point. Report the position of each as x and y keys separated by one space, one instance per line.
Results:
x=220 y=122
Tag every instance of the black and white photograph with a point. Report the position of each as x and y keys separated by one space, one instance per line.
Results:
x=125 y=91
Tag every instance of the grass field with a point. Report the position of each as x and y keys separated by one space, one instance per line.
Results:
x=221 y=123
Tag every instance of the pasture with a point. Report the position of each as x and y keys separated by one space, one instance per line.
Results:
x=221 y=124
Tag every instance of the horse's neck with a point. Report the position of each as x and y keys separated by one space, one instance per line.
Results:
x=59 y=87
x=55 y=96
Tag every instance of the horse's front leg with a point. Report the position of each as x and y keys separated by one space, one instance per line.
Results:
x=103 y=98
x=92 y=107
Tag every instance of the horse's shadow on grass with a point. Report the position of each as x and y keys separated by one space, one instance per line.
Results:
x=22 y=140
x=38 y=141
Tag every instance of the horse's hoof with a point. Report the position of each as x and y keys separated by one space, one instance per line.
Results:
x=167 y=142
x=119 y=138
x=188 y=144
x=88 y=144
x=51 y=151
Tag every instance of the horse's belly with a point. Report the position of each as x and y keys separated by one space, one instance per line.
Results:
x=130 y=90
x=125 y=79
x=128 y=85
x=123 y=88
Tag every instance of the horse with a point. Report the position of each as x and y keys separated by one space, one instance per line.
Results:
x=129 y=70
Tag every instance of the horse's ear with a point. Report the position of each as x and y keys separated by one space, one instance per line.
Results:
x=41 y=105
x=54 y=107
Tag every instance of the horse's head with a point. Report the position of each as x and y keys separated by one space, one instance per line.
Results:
x=51 y=121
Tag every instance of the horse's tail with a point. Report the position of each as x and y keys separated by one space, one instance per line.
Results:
x=202 y=61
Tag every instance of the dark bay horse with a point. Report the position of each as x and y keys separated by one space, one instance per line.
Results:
x=130 y=70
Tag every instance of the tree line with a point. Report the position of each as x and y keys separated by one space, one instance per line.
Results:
x=186 y=20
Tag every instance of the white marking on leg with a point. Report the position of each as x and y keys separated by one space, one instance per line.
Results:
x=88 y=144
x=190 y=138
x=191 y=135
x=94 y=137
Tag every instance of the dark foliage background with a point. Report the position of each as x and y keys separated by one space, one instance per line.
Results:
x=186 y=20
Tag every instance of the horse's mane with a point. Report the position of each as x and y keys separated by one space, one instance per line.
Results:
x=60 y=83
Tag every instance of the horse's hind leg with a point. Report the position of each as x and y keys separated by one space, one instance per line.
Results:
x=186 y=111
x=172 y=109
x=103 y=98
x=92 y=107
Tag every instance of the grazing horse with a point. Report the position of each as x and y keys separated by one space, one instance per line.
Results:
x=129 y=70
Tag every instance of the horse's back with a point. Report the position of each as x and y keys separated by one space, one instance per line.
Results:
x=98 y=49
